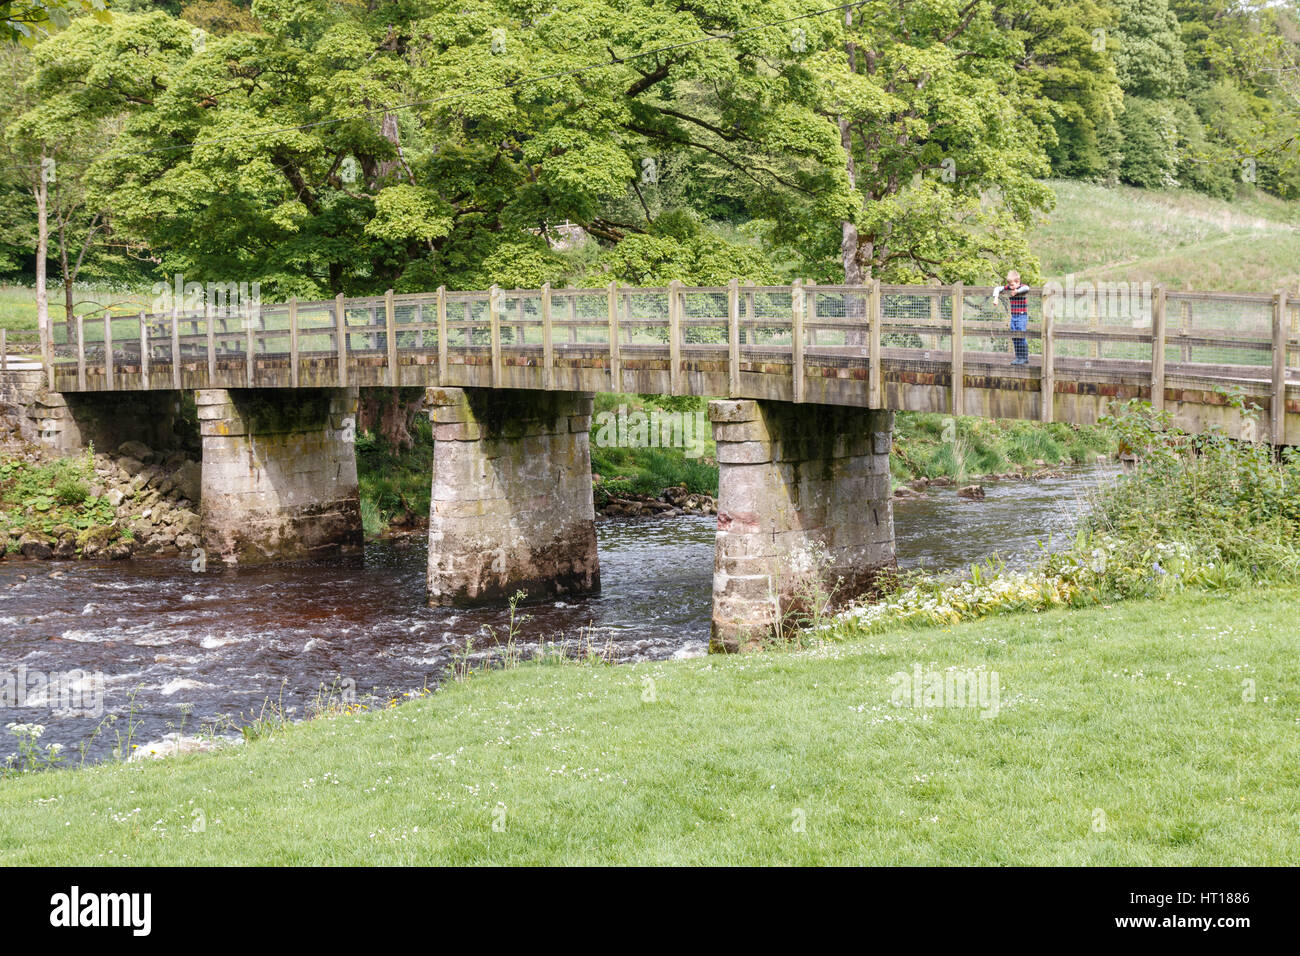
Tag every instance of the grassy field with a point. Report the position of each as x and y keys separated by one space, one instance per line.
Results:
x=1185 y=240
x=1122 y=737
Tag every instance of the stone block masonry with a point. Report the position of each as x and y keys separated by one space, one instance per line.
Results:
x=70 y=422
x=279 y=473
x=804 y=509
x=511 y=507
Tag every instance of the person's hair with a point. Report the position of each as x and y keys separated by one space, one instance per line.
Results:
x=1013 y=274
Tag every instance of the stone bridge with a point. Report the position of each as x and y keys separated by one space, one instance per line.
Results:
x=805 y=381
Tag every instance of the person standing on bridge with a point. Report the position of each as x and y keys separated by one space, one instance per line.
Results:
x=1018 y=300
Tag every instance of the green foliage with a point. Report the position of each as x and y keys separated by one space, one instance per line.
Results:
x=1149 y=144
x=394 y=484
x=931 y=445
x=1149 y=56
x=1230 y=500
x=29 y=21
x=71 y=490
x=42 y=496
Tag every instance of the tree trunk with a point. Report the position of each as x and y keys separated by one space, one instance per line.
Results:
x=855 y=305
x=42 y=248
x=70 y=325
x=389 y=413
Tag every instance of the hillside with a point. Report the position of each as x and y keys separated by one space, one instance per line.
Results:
x=1185 y=240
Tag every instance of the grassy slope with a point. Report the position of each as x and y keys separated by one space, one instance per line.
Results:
x=1180 y=238
x=713 y=770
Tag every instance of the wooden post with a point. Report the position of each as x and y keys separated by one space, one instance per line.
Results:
x=934 y=312
x=958 y=347
x=108 y=349
x=390 y=337
x=4 y=352
x=176 y=348
x=248 y=345
x=573 y=317
x=1294 y=357
x=81 y=354
x=749 y=318
x=212 y=343
x=494 y=326
x=144 y=350
x=875 y=380
x=615 y=358
x=293 y=342
x=1279 y=368
x=797 y=308
x=733 y=337
x=548 y=346
x=1158 y=334
x=1094 y=325
x=341 y=338
x=442 y=335
x=810 y=310
x=1047 y=371
x=675 y=337
x=1185 y=329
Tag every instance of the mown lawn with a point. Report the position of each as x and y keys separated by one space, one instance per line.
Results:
x=1135 y=712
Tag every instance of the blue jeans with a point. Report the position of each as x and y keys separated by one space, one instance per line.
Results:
x=1020 y=323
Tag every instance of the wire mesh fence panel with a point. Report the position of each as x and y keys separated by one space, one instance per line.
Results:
x=410 y=312
x=704 y=317
x=469 y=320
x=519 y=316
x=316 y=329
x=271 y=331
x=1218 y=329
x=365 y=326
x=1104 y=321
x=986 y=326
x=766 y=318
x=644 y=319
x=1293 y=331
x=917 y=322
x=585 y=319
x=838 y=319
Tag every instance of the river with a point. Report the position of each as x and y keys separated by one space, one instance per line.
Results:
x=182 y=648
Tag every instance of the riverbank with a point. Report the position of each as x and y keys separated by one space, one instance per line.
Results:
x=136 y=501
x=781 y=758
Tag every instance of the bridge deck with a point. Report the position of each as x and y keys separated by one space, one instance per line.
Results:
x=925 y=348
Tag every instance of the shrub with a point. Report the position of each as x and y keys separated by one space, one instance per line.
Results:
x=71 y=490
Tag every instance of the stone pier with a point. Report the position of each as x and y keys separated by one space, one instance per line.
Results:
x=512 y=505
x=279 y=473
x=804 y=510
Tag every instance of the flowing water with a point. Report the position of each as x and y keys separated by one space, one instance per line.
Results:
x=178 y=647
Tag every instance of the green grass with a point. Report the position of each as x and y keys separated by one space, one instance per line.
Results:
x=18 y=306
x=1136 y=711
x=648 y=471
x=929 y=445
x=1183 y=239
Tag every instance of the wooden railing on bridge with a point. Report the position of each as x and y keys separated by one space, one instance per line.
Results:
x=684 y=339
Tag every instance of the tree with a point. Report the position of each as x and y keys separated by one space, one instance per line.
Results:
x=59 y=140
x=350 y=149
x=1068 y=77
x=1149 y=55
x=933 y=124
x=29 y=21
